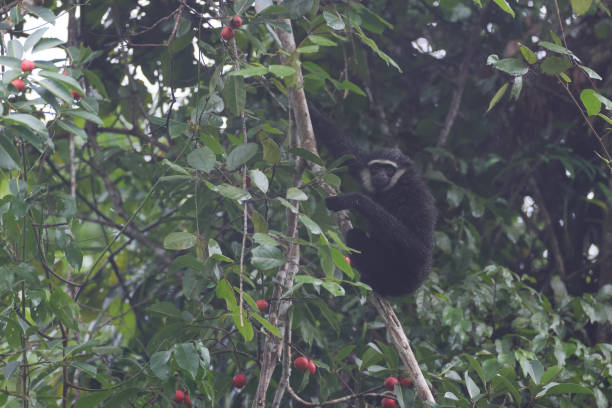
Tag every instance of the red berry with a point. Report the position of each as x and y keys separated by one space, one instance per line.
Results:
x=348 y=259
x=405 y=382
x=179 y=396
x=239 y=380
x=19 y=84
x=75 y=94
x=301 y=363
x=27 y=65
x=388 y=403
x=236 y=22
x=227 y=33
x=187 y=401
x=262 y=305
x=390 y=382
x=312 y=367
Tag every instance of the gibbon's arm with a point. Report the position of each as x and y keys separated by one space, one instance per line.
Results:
x=335 y=140
x=379 y=216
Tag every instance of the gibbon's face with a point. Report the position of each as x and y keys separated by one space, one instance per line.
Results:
x=380 y=175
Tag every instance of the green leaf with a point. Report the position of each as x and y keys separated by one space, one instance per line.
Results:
x=308 y=49
x=556 y=48
x=26 y=120
x=296 y=194
x=549 y=374
x=264 y=239
x=333 y=21
x=74 y=255
x=9 y=156
x=282 y=71
x=214 y=251
x=259 y=179
x=517 y=86
x=234 y=94
x=312 y=226
x=232 y=192
x=179 y=240
x=224 y=291
x=240 y=155
x=85 y=115
x=266 y=324
x=159 y=364
x=15 y=49
x=92 y=399
x=67 y=80
x=498 y=95
x=590 y=102
x=592 y=74
x=535 y=369
x=503 y=4
x=287 y=204
x=176 y=167
x=57 y=89
x=43 y=13
x=46 y=43
x=349 y=86
x=249 y=72
x=322 y=41
x=240 y=6
x=165 y=309
x=11 y=62
x=64 y=307
x=34 y=37
x=529 y=55
x=472 y=388
x=271 y=152
x=202 y=159
x=72 y=128
x=553 y=65
x=512 y=66
x=244 y=327
x=557 y=389
x=187 y=358
x=89 y=369
x=372 y=44
x=265 y=257
x=334 y=288
x=580 y=7
x=342 y=263
x=10 y=368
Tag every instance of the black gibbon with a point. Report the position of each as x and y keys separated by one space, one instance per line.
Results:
x=395 y=253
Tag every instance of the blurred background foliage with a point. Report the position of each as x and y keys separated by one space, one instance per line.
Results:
x=121 y=211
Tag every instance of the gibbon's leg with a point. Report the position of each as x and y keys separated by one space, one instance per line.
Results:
x=379 y=218
x=368 y=261
x=357 y=239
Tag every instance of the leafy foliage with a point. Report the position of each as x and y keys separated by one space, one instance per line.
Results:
x=126 y=272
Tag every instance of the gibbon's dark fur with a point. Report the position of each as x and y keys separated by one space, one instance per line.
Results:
x=397 y=250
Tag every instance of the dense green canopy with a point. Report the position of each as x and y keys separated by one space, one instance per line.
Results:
x=155 y=183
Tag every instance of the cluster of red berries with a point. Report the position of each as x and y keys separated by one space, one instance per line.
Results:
x=303 y=364
x=389 y=384
x=182 y=396
x=26 y=66
x=227 y=32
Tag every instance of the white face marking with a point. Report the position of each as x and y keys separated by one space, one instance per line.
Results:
x=366 y=177
x=381 y=161
x=366 y=180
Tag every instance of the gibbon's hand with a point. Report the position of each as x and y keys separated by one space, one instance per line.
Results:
x=342 y=202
